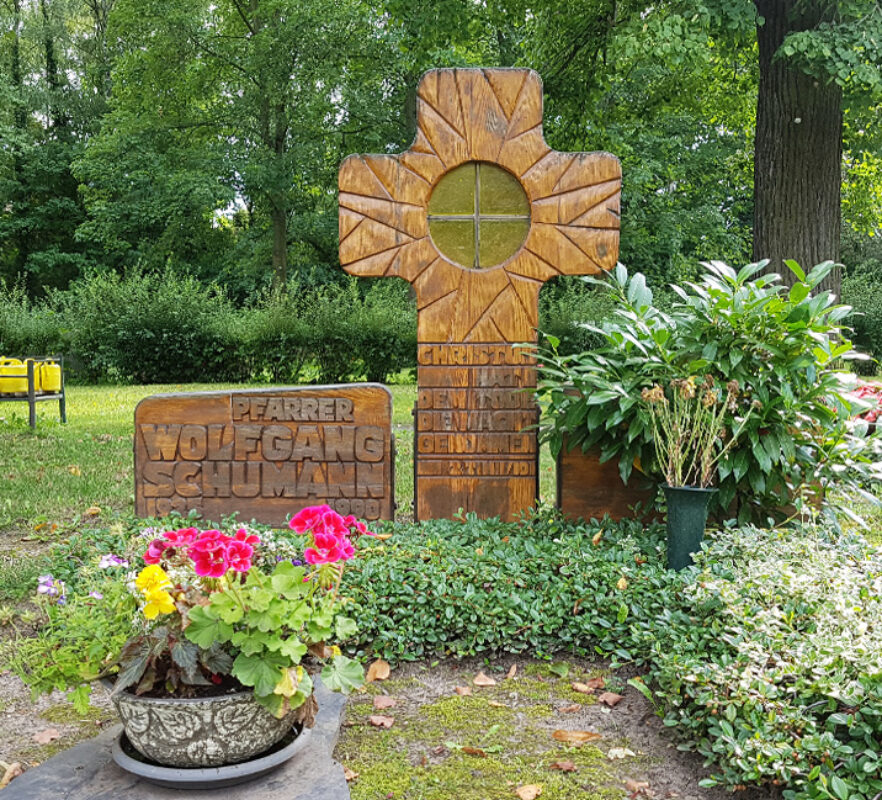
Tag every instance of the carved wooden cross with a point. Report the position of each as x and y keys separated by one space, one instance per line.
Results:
x=477 y=215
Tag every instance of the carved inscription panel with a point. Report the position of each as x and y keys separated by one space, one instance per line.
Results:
x=473 y=449
x=266 y=453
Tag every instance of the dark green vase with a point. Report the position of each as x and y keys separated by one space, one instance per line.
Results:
x=687 y=516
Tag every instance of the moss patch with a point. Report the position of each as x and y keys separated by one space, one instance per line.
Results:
x=478 y=747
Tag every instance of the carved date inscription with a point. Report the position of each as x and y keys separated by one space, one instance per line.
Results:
x=266 y=453
x=475 y=449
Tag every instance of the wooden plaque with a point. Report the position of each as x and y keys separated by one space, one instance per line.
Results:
x=266 y=453
x=477 y=215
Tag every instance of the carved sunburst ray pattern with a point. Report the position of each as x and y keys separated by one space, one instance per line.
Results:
x=492 y=115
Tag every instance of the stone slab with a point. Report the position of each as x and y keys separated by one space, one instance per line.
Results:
x=88 y=772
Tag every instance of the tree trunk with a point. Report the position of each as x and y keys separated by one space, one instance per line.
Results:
x=279 y=219
x=797 y=153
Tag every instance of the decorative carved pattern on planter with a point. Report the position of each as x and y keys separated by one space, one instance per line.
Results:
x=204 y=732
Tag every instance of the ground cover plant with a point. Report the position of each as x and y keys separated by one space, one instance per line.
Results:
x=764 y=656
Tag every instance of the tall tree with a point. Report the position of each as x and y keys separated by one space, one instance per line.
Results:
x=237 y=104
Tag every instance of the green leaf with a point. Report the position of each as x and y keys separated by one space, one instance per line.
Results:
x=287 y=580
x=79 y=697
x=261 y=672
x=345 y=627
x=561 y=669
x=343 y=674
x=204 y=629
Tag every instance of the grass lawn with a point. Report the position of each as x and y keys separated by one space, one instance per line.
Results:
x=51 y=478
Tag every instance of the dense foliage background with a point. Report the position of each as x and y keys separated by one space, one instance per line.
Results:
x=200 y=140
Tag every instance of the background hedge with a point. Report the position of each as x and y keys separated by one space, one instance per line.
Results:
x=160 y=328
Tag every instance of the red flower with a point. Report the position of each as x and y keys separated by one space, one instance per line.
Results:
x=182 y=537
x=242 y=535
x=154 y=551
x=305 y=520
x=239 y=555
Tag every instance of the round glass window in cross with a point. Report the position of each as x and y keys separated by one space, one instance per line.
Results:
x=479 y=215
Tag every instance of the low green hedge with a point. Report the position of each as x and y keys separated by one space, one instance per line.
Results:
x=164 y=328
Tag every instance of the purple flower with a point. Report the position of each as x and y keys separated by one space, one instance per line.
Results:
x=296 y=562
x=110 y=560
x=46 y=585
x=96 y=595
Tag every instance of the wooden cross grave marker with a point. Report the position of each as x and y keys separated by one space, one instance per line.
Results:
x=477 y=215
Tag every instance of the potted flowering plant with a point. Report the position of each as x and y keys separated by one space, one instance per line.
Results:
x=691 y=437
x=228 y=634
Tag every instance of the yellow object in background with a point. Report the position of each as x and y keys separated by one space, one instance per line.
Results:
x=12 y=367
x=49 y=379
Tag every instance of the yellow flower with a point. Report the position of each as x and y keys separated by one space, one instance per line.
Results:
x=335 y=651
x=158 y=602
x=152 y=577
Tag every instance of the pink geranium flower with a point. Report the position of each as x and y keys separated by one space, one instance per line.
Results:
x=352 y=522
x=307 y=519
x=182 y=538
x=209 y=554
x=242 y=535
x=154 y=551
x=238 y=555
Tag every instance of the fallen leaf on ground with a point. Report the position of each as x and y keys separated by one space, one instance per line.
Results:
x=349 y=774
x=610 y=698
x=619 y=752
x=437 y=751
x=382 y=536
x=382 y=701
x=381 y=721
x=320 y=650
x=512 y=671
x=582 y=688
x=564 y=766
x=496 y=704
x=529 y=792
x=622 y=584
x=464 y=691
x=12 y=771
x=595 y=540
x=575 y=737
x=47 y=735
x=474 y=751
x=483 y=680
x=74 y=470
x=637 y=788
x=561 y=669
x=93 y=511
x=570 y=709
x=378 y=671
x=595 y=683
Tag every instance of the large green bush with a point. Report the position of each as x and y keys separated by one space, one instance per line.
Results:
x=863 y=292
x=781 y=346
x=27 y=327
x=150 y=328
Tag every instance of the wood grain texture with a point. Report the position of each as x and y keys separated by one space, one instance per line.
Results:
x=266 y=453
x=494 y=116
x=587 y=488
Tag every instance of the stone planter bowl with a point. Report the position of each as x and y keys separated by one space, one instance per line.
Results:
x=199 y=732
